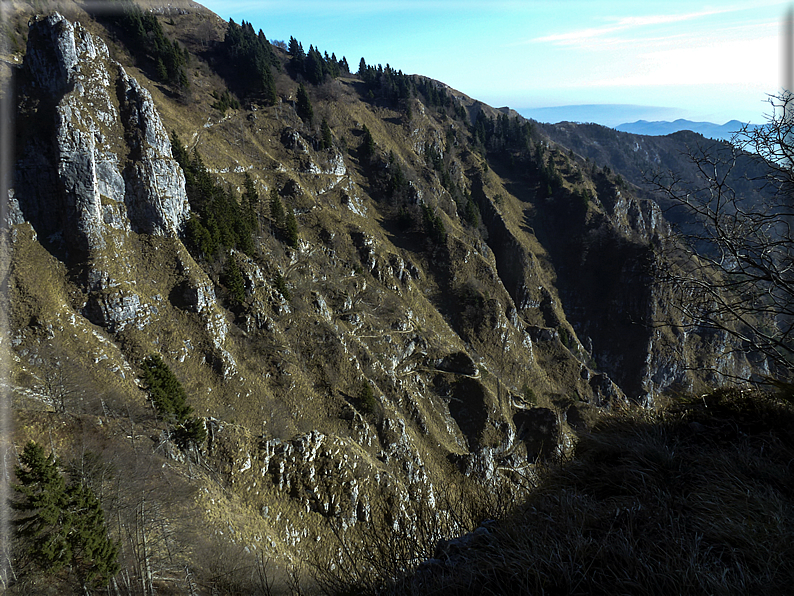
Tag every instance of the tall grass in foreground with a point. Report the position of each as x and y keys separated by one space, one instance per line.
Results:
x=695 y=499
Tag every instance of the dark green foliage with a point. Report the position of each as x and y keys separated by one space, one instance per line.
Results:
x=297 y=55
x=303 y=105
x=192 y=430
x=314 y=66
x=218 y=222
x=277 y=213
x=471 y=213
x=436 y=96
x=250 y=201
x=366 y=151
x=397 y=181
x=169 y=398
x=529 y=395
x=281 y=285
x=247 y=61
x=366 y=398
x=386 y=84
x=233 y=280
x=326 y=142
x=284 y=221
x=291 y=230
x=145 y=38
x=566 y=338
x=434 y=226
x=165 y=390
x=198 y=238
x=504 y=134
x=225 y=101
x=61 y=525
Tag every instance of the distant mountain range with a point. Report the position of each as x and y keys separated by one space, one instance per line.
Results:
x=660 y=128
x=636 y=119
x=604 y=114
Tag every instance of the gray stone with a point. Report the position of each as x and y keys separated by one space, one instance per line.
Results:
x=85 y=193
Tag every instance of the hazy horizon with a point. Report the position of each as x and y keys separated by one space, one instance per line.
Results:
x=612 y=115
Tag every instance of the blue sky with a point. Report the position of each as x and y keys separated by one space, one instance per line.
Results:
x=698 y=60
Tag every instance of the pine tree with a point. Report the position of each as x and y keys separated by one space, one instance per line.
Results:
x=291 y=230
x=162 y=73
x=59 y=525
x=313 y=66
x=367 y=147
x=327 y=138
x=304 y=106
x=233 y=280
x=170 y=399
x=276 y=209
x=43 y=507
x=250 y=200
x=165 y=390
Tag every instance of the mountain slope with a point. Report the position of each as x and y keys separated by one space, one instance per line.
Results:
x=457 y=294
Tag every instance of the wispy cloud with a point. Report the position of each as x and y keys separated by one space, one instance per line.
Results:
x=620 y=25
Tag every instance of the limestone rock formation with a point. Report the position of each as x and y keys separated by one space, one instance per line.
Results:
x=108 y=165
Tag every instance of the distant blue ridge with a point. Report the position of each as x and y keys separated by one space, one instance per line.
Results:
x=636 y=119
x=604 y=114
x=660 y=128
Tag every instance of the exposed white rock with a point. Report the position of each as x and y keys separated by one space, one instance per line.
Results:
x=86 y=192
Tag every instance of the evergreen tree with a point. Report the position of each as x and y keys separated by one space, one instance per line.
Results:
x=218 y=223
x=313 y=67
x=397 y=180
x=284 y=221
x=327 y=139
x=434 y=226
x=147 y=41
x=281 y=285
x=367 y=148
x=249 y=58
x=165 y=390
x=250 y=201
x=471 y=213
x=276 y=209
x=303 y=105
x=233 y=280
x=161 y=71
x=291 y=230
x=297 y=55
x=59 y=525
x=170 y=400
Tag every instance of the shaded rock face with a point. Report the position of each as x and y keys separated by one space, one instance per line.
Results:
x=90 y=118
x=539 y=428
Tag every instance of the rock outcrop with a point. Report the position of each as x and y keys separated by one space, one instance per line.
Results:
x=98 y=159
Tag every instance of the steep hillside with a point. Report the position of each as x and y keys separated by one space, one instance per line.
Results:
x=375 y=291
x=637 y=157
